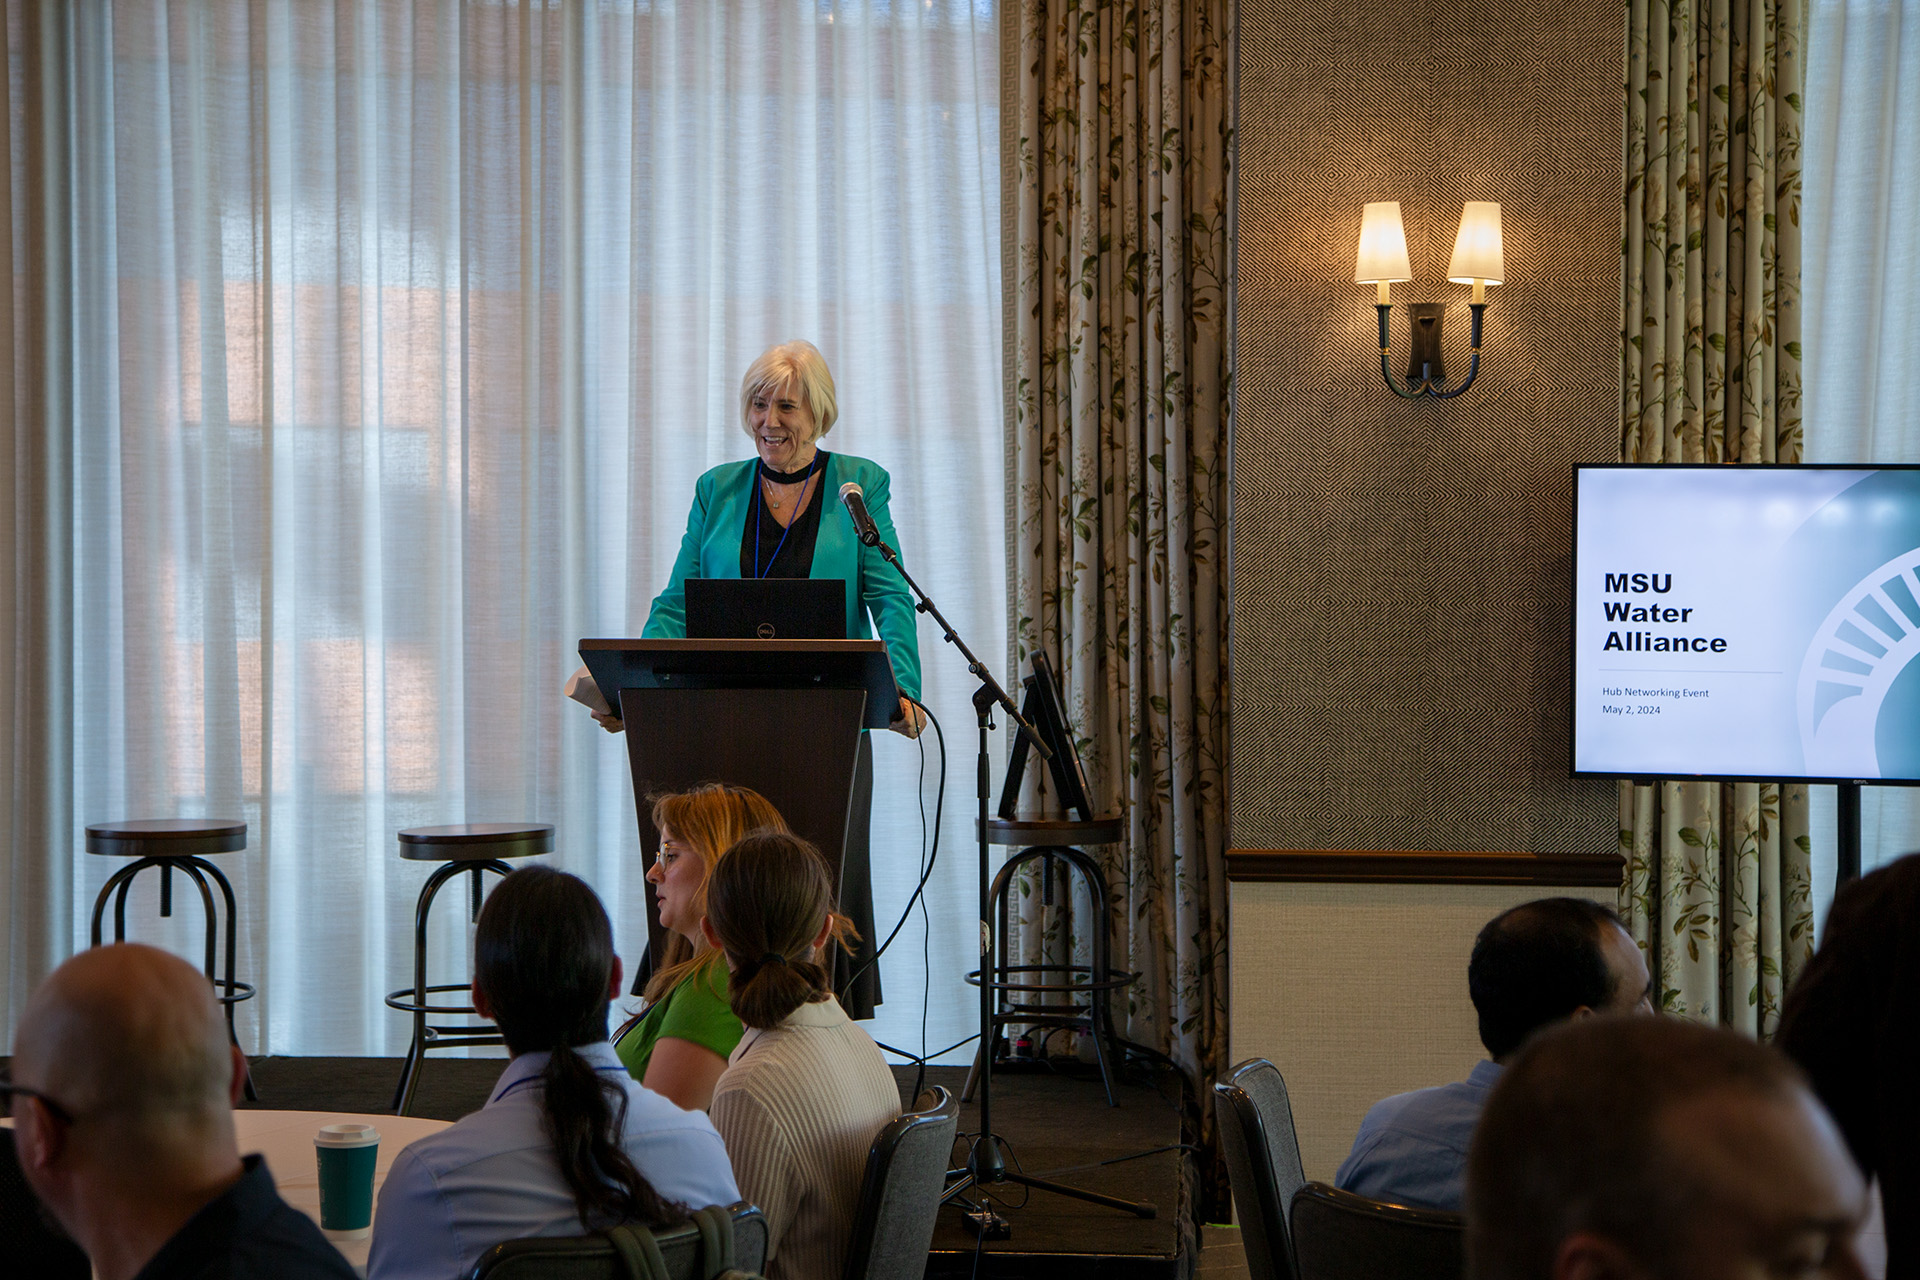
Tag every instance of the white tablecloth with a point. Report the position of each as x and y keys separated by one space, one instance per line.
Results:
x=285 y=1138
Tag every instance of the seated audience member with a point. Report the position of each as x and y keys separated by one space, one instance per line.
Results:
x=1655 y=1148
x=568 y=1143
x=1537 y=964
x=1852 y=1022
x=678 y=1045
x=807 y=1091
x=123 y=1089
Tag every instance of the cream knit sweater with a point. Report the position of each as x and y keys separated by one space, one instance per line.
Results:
x=799 y=1106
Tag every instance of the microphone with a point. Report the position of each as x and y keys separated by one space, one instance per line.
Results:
x=855 y=500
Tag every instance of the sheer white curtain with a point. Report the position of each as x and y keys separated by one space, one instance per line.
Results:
x=399 y=332
x=1861 y=285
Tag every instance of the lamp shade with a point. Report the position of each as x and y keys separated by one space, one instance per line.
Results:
x=1477 y=249
x=1383 y=245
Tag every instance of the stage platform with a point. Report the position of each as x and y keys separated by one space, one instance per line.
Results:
x=1059 y=1127
x=1056 y=1123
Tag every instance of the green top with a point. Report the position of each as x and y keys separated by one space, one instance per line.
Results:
x=695 y=1010
x=711 y=549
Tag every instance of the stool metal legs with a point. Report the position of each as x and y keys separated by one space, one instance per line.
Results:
x=414 y=999
x=227 y=990
x=1101 y=978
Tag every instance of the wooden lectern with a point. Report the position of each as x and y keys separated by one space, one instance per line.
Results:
x=781 y=716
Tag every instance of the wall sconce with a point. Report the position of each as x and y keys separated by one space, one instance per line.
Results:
x=1477 y=260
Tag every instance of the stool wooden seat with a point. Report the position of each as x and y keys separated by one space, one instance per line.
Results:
x=463 y=848
x=166 y=838
x=476 y=841
x=183 y=845
x=1037 y=833
x=1054 y=842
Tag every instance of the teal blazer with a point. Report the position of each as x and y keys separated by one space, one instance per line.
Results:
x=722 y=499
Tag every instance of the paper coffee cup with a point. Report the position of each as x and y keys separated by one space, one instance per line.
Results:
x=346 y=1154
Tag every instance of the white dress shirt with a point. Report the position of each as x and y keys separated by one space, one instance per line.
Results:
x=493 y=1176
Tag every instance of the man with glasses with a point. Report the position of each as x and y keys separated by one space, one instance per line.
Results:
x=122 y=1095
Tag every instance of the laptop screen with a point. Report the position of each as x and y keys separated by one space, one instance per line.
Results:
x=766 y=609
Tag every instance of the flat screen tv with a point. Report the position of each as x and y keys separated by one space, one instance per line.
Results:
x=1746 y=622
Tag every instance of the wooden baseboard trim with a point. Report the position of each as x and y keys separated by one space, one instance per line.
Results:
x=1426 y=866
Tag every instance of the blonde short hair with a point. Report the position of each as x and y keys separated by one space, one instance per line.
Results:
x=797 y=361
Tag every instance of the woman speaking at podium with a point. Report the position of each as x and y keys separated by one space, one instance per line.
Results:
x=779 y=515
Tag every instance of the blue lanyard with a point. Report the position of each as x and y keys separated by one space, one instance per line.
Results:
x=760 y=504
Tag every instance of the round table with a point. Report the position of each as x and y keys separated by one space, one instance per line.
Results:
x=285 y=1138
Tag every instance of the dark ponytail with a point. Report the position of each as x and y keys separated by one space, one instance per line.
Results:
x=543 y=958
x=766 y=900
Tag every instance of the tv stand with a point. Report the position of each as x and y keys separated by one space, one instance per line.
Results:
x=1847 y=829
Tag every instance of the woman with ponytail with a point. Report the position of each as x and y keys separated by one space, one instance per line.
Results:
x=806 y=1091
x=567 y=1144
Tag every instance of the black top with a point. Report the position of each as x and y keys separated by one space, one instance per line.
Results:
x=33 y=1244
x=782 y=553
x=249 y=1232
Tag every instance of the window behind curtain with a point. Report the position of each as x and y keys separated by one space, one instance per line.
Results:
x=1861 y=293
x=404 y=330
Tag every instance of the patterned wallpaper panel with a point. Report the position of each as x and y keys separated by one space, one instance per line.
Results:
x=1400 y=593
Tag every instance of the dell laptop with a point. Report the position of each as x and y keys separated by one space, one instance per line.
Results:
x=766 y=608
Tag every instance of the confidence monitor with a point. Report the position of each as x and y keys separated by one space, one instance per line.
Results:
x=1045 y=708
x=1746 y=622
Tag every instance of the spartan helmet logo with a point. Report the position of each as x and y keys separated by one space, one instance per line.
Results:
x=764 y=631
x=1865 y=643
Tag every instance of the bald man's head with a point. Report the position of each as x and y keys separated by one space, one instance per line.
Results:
x=130 y=1037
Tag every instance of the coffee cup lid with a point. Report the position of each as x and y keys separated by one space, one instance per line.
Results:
x=346 y=1135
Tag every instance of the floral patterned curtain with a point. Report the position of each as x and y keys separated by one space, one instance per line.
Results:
x=1717 y=874
x=1120 y=150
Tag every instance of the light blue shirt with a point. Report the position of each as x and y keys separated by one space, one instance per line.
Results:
x=1412 y=1147
x=493 y=1176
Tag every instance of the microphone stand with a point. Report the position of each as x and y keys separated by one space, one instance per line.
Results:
x=984 y=1166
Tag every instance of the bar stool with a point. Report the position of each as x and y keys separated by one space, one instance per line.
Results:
x=1086 y=987
x=465 y=848
x=176 y=844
